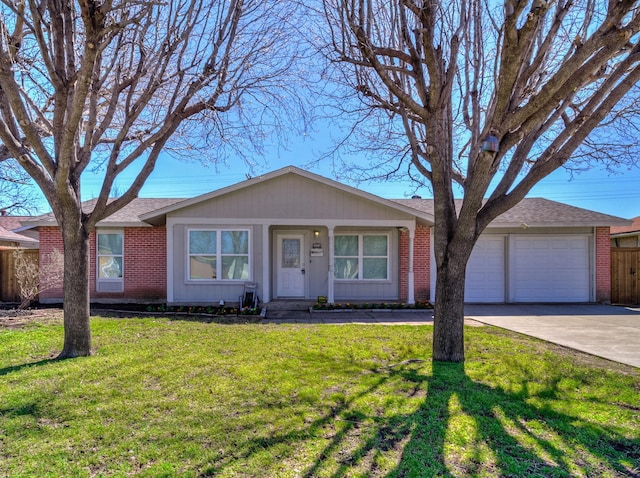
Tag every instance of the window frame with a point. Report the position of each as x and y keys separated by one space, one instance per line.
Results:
x=109 y=280
x=361 y=257
x=219 y=255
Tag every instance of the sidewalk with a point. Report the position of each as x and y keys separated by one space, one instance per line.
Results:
x=404 y=317
x=299 y=312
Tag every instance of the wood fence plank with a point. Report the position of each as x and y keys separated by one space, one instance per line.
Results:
x=625 y=275
x=9 y=287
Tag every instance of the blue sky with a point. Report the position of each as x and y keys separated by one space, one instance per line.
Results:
x=615 y=194
x=598 y=190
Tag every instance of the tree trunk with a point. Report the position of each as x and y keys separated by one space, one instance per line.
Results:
x=448 y=314
x=77 y=333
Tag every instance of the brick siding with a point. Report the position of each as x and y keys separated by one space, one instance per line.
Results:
x=603 y=264
x=145 y=264
x=421 y=264
x=50 y=240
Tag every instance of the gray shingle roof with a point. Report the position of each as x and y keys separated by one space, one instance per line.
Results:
x=530 y=211
x=535 y=212
x=127 y=216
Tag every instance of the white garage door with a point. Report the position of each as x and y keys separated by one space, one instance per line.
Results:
x=549 y=268
x=485 y=271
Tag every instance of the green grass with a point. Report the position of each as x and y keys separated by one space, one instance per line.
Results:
x=180 y=398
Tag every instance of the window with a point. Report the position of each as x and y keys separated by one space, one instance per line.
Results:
x=110 y=257
x=361 y=257
x=218 y=255
x=110 y=261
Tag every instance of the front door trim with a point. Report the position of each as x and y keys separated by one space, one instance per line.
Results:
x=291 y=281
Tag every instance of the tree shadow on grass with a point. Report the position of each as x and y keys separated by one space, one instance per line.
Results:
x=17 y=368
x=510 y=436
x=462 y=428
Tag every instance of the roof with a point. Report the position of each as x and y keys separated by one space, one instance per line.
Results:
x=10 y=227
x=10 y=236
x=633 y=228
x=530 y=212
x=128 y=216
x=536 y=212
x=11 y=223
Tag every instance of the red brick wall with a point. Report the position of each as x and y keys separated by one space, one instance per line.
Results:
x=421 y=264
x=50 y=239
x=145 y=264
x=603 y=264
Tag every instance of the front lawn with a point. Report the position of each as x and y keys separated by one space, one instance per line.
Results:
x=181 y=398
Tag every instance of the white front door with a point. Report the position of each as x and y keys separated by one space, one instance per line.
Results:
x=290 y=267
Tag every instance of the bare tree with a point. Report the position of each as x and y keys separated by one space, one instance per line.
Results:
x=486 y=99
x=99 y=85
x=17 y=192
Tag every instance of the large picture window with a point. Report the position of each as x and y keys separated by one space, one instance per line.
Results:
x=218 y=254
x=361 y=257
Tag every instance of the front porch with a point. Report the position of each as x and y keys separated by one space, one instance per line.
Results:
x=367 y=261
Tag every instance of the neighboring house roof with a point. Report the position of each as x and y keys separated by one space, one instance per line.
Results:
x=630 y=230
x=10 y=232
x=536 y=212
x=11 y=223
x=12 y=237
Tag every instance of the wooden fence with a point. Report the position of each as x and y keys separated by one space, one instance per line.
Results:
x=9 y=288
x=625 y=275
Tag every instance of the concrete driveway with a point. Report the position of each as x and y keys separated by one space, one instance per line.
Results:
x=606 y=331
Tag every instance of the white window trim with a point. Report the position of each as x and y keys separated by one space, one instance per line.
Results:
x=361 y=257
x=218 y=255
x=109 y=280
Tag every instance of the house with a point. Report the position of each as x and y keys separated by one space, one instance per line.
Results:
x=13 y=235
x=626 y=236
x=300 y=235
x=11 y=238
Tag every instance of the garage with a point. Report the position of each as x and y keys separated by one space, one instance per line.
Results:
x=549 y=268
x=529 y=268
x=485 y=281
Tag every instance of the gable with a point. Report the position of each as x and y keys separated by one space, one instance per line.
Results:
x=292 y=196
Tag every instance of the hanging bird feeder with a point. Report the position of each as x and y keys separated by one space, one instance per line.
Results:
x=491 y=143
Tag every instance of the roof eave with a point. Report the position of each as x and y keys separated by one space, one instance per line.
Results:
x=26 y=225
x=121 y=224
x=625 y=234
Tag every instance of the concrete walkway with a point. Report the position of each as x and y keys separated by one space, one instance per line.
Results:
x=297 y=312
x=610 y=332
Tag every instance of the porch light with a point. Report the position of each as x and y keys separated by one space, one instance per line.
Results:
x=491 y=143
x=316 y=234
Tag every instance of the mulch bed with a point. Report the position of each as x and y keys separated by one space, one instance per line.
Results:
x=16 y=318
